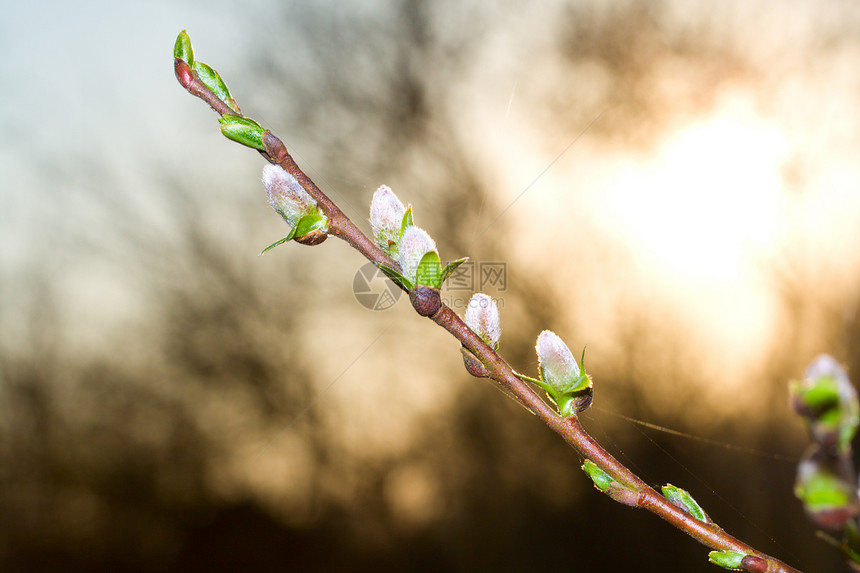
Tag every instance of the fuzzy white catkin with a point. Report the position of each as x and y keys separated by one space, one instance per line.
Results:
x=386 y=216
x=482 y=316
x=413 y=246
x=286 y=195
x=556 y=360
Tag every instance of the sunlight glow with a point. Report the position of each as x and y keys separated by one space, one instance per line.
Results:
x=709 y=200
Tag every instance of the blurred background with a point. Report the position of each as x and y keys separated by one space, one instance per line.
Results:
x=674 y=184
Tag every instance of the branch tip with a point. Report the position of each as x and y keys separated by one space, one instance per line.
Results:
x=183 y=73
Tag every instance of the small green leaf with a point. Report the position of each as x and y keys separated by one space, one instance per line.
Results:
x=396 y=277
x=730 y=560
x=429 y=272
x=276 y=243
x=451 y=267
x=578 y=384
x=569 y=402
x=549 y=388
x=182 y=49
x=601 y=479
x=567 y=385
x=407 y=220
x=529 y=379
x=242 y=130
x=290 y=236
x=681 y=498
x=308 y=223
x=212 y=80
x=565 y=405
x=572 y=404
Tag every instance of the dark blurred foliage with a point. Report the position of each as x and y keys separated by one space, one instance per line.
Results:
x=126 y=459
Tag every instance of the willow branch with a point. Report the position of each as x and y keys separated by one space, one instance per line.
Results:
x=634 y=493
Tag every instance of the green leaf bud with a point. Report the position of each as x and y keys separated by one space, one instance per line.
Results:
x=682 y=499
x=828 y=496
x=606 y=484
x=212 y=80
x=182 y=48
x=601 y=479
x=731 y=560
x=828 y=401
x=242 y=130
